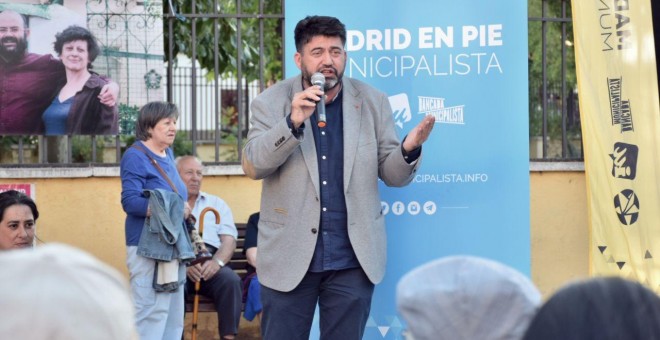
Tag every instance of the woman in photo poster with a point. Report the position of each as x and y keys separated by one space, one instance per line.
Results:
x=76 y=109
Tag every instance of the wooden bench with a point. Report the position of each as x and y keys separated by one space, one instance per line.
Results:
x=238 y=263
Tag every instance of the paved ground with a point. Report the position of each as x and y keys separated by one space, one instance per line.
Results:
x=207 y=328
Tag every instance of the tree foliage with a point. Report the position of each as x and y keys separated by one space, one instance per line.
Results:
x=226 y=31
x=554 y=43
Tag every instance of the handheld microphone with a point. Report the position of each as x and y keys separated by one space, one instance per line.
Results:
x=319 y=79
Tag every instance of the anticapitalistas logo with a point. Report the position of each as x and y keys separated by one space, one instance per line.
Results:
x=620 y=109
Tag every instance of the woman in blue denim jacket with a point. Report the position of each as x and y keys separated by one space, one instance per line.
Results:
x=159 y=315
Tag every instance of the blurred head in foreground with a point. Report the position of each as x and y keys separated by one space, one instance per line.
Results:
x=466 y=297
x=57 y=292
x=603 y=308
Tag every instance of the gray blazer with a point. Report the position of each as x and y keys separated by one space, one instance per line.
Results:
x=290 y=204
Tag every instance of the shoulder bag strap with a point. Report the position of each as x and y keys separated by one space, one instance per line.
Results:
x=155 y=163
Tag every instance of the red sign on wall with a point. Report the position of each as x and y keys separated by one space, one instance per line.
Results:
x=25 y=188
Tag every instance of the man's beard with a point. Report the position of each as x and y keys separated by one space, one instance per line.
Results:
x=329 y=83
x=15 y=54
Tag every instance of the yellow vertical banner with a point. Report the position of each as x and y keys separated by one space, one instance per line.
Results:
x=620 y=112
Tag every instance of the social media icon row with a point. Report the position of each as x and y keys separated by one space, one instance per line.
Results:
x=412 y=208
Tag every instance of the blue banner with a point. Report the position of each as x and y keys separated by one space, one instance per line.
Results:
x=466 y=64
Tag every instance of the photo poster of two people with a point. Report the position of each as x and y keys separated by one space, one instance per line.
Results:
x=48 y=82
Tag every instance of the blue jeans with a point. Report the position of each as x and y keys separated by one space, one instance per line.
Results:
x=159 y=316
x=344 y=298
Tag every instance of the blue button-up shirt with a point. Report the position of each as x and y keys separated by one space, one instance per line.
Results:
x=333 y=247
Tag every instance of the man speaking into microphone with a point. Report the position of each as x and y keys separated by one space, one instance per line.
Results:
x=321 y=231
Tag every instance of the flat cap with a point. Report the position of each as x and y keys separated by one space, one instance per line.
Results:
x=466 y=297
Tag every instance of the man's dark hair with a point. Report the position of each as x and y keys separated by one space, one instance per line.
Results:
x=12 y=197
x=150 y=114
x=316 y=25
x=73 y=33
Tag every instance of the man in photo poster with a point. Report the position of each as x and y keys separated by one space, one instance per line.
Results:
x=321 y=230
x=29 y=81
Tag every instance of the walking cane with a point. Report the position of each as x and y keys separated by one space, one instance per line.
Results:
x=196 y=300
